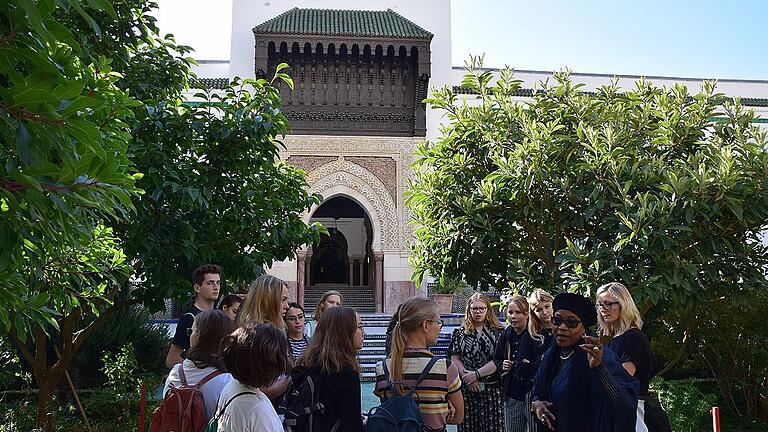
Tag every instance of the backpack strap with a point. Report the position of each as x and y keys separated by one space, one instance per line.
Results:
x=224 y=408
x=422 y=376
x=182 y=377
x=425 y=372
x=209 y=377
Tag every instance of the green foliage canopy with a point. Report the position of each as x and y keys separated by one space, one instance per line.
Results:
x=655 y=187
x=216 y=190
x=64 y=167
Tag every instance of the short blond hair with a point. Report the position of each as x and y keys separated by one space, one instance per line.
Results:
x=629 y=316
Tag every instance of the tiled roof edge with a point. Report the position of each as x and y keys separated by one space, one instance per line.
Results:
x=528 y=92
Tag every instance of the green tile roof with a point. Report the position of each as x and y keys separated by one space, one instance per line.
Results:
x=212 y=83
x=332 y=22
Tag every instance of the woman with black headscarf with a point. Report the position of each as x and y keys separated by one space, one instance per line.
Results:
x=581 y=386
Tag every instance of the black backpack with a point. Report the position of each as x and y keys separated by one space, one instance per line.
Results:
x=399 y=413
x=302 y=403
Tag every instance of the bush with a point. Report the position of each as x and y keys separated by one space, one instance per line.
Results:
x=131 y=326
x=12 y=374
x=107 y=412
x=687 y=406
x=743 y=424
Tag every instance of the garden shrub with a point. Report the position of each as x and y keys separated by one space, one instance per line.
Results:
x=131 y=326
x=687 y=406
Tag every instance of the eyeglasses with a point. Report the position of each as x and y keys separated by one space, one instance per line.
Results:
x=570 y=323
x=478 y=308
x=606 y=306
x=439 y=322
x=361 y=326
x=296 y=318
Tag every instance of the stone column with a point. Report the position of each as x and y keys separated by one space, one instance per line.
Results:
x=300 y=264
x=351 y=271
x=378 y=275
x=309 y=271
x=360 y=269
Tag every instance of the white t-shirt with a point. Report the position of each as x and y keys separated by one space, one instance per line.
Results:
x=250 y=412
x=194 y=375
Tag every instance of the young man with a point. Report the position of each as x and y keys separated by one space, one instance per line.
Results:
x=206 y=281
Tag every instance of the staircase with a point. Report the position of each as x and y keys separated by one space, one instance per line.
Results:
x=359 y=297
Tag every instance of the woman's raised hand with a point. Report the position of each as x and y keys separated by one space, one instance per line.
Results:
x=594 y=351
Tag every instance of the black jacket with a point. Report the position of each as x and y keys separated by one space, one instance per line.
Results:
x=340 y=393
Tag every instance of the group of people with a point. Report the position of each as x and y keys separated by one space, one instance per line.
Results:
x=246 y=354
x=558 y=375
x=545 y=371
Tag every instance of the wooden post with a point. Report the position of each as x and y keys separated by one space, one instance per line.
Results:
x=142 y=406
x=74 y=392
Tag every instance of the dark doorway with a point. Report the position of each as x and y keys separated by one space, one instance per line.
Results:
x=330 y=260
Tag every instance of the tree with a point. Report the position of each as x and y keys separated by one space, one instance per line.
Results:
x=68 y=185
x=64 y=172
x=216 y=191
x=655 y=187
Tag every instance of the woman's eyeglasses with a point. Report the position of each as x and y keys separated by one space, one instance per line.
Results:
x=606 y=306
x=570 y=323
x=478 y=308
x=439 y=322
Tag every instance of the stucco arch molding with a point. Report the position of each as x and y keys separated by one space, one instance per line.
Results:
x=344 y=177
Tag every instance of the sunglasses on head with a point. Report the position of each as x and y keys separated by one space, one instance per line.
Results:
x=570 y=323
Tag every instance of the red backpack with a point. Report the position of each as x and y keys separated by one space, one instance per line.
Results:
x=183 y=408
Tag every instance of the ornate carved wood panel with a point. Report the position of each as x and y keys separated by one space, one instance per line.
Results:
x=348 y=86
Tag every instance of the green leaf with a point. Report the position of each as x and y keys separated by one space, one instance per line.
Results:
x=281 y=66
x=5 y=319
x=70 y=89
x=103 y=5
x=23 y=143
x=29 y=97
x=35 y=20
x=39 y=300
x=81 y=103
x=89 y=19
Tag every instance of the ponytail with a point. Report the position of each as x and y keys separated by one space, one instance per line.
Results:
x=396 y=353
x=412 y=314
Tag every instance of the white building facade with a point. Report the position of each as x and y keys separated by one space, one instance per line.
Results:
x=372 y=66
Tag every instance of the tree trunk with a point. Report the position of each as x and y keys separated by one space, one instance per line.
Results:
x=44 y=399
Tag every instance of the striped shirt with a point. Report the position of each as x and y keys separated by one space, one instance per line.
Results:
x=442 y=380
x=298 y=346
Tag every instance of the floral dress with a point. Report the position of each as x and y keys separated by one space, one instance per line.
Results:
x=483 y=409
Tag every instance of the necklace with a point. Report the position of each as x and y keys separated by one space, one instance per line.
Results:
x=415 y=348
x=567 y=356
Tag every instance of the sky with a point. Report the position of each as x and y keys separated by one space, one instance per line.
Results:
x=726 y=39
